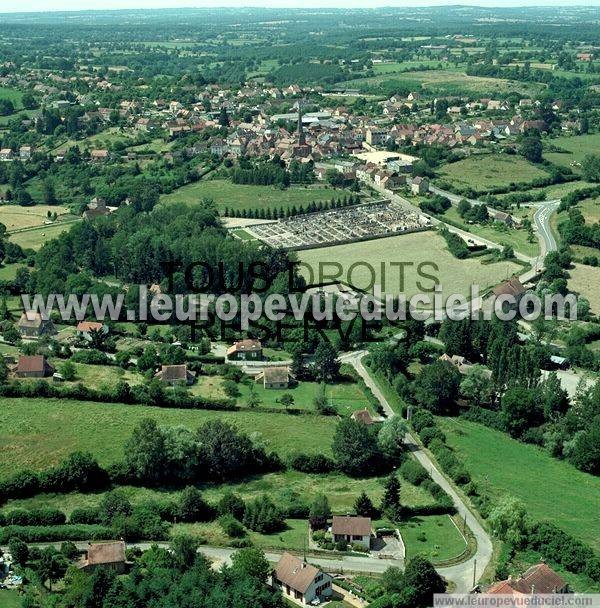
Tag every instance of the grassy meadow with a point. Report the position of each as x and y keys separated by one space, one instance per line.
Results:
x=434 y=536
x=455 y=276
x=36 y=237
x=236 y=196
x=37 y=433
x=575 y=149
x=486 y=171
x=15 y=217
x=551 y=489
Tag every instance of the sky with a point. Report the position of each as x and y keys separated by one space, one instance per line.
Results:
x=7 y=6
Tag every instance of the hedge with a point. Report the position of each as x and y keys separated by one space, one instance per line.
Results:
x=30 y=534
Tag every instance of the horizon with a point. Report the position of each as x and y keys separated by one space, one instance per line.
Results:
x=64 y=6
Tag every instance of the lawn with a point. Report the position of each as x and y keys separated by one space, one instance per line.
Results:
x=551 y=489
x=497 y=233
x=294 y=536
x=434 y=536
x=486 y=171
x=346 y=397
x=236 y=196
x=37 y=433
x=15 y=217
x=360 y=265
x=35 y=238
x=576 y=148
x=9 y=272
x=10 y=598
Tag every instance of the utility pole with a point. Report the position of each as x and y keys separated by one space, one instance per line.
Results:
x=474 y=572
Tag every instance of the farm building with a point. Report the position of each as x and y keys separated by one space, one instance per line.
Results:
x=538 y=579
x=512 y=287
x=34 y=366
x=301 y=581
x=85 y=329
x=175 y=374
x=363 y=416
x=108 y=556
x=33 y=326
x=275 y=377
x=353 y=530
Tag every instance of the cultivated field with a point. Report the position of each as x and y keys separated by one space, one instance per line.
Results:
x=585 y=280
x=235 y=196
x=487 y=171
x=15 y=217
x=36 y=433
x=551 y=489
x=450 y=81
x=35 y=238
x=359 y=264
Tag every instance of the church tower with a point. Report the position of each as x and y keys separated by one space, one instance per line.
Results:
x=301 y=135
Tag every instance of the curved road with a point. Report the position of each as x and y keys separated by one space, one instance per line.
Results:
x=541 y=218
x=464 y=574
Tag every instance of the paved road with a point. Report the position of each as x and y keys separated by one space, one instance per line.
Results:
x=541 y=219
x=463 y=574
x=338 y=565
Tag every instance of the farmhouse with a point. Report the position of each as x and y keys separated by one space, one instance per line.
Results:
x=85 y=329
x=353 y=530
x=538 y=579
x=34 y=366
x=512 y=287
x=300 y=581
x=504 y=218
x=175 y=374
x=363 y=416
x=99 y=155
x=275 y=377
x=245 y=350
x=419 y=185
x=33 y=326
x=107 y=556
x=6 y=154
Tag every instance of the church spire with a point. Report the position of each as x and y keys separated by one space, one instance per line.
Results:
x=301 y=136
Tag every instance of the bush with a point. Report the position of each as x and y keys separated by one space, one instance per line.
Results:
x=311 y=463
x=231 y=526
x=413 y=472
x=427 y=435
x=85 y=515
x=35 y=517
x=421 y=419
x=30 y=534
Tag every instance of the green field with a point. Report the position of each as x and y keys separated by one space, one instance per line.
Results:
x=434 y=536
x=37 y=433
x=551 y=489
x=448 y=81
x=455 y=276
x=345 y=397
x=577 y=148
x=497 y=233
x=235 y=196
x=35 y=238
x=341 y=492
x=13 y=95
x=10 y=599
x=486 y=171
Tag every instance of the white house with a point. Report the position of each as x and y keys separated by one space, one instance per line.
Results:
x=299 y=581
